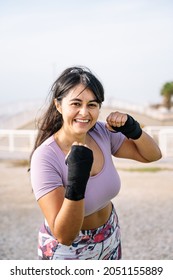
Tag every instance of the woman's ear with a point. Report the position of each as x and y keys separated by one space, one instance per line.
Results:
x=58 y=106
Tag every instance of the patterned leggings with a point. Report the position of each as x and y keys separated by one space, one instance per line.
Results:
x=102 y=243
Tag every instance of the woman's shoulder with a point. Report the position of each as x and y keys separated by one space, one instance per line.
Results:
x=99 y=126
x=43 y=147
x=48 y=149
x=100 y=129
x=101 y=134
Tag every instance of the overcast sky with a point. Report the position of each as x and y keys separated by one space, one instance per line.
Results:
x=128 y=44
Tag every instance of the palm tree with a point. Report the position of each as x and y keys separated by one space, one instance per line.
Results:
x=167 y=93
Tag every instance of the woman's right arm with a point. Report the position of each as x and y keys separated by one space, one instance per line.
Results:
x=64 y=216
x=62 y=207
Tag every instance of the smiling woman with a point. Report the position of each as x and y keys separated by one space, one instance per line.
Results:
x=73 y=81
x=79 y=111
x=72 y=172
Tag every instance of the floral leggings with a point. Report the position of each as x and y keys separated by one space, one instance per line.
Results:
x=102 y=243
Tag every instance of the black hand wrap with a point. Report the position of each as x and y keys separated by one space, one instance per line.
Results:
x=79 y=164
x=131 y=128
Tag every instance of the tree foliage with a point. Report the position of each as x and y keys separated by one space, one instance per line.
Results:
x=167 y=93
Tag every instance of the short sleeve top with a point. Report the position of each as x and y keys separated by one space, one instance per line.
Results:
x=49 y=171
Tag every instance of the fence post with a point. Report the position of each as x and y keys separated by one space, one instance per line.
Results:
x=11 y=141
x=165 y=137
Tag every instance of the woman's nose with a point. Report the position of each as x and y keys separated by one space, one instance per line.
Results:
x=84 y=110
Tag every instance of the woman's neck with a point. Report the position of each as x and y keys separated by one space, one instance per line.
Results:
x=65 y=140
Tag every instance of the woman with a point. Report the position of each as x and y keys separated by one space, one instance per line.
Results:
x=72 y=172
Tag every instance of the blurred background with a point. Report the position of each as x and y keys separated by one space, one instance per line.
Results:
x=128 y=45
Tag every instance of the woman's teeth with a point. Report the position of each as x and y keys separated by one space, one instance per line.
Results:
x=82 y=121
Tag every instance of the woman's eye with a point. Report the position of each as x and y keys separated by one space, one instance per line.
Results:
x=76 y=104
x=90 y=105
x=93 y=105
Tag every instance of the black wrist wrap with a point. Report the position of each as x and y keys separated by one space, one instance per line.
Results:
x=79 y=164
x=131 y=129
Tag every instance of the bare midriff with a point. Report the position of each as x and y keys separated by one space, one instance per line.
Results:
x=98 y=218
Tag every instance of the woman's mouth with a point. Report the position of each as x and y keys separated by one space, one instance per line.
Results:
x=82 y=120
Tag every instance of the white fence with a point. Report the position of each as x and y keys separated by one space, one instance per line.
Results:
x=20 y=142
x=16 y=143
x=163 y=135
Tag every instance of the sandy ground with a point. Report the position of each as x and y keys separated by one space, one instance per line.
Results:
x=144 y=206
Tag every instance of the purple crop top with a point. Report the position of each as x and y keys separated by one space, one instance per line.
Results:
x=49 y=171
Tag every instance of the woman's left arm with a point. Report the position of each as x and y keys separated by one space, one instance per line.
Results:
x=144 y=149
x=138 y=145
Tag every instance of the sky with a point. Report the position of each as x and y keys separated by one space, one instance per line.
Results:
x=128 y=44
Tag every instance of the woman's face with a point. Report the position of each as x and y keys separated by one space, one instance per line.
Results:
x=79 y=110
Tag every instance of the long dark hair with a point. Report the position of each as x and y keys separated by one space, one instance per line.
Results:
x=51 y=121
